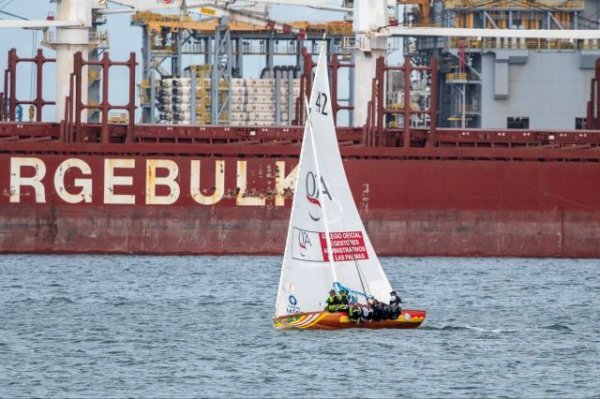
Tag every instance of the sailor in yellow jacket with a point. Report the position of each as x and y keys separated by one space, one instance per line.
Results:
x=333 y=302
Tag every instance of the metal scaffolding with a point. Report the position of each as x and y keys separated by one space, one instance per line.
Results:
x=222 y=44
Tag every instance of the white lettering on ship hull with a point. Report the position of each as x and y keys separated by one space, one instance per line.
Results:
x=17 y=180
x=152 y=181
x=110 y=181
x=85 y=194
x=219 y=189
x=243 y=198
x=114 y=181
x=284 y=183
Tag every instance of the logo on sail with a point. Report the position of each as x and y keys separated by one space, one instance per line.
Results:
x=292 y=306
x=293 y=300
x=304 y=243
x=312 y=195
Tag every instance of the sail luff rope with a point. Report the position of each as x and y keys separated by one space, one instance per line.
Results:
x=314 y=148
x=290 y=227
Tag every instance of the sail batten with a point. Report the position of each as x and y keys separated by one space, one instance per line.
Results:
x=327 y=245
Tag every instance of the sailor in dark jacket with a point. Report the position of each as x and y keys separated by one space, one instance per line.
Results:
x=395 y=299
x=395 y=307
x=377 y=310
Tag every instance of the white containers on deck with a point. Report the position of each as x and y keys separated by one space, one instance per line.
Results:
x=266 y=101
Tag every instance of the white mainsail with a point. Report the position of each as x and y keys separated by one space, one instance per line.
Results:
x=323 y=207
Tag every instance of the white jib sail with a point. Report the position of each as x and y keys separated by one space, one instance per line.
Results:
x=323 y=204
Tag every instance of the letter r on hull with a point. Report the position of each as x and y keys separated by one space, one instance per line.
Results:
x=17 y=181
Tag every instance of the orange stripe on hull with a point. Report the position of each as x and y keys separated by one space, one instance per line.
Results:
x=339 y=320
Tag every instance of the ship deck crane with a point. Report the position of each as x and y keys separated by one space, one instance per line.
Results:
x=39 y=24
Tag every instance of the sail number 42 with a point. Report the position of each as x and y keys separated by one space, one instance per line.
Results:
x=321 y=103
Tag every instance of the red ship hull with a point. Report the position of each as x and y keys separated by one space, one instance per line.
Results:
x=415 y=202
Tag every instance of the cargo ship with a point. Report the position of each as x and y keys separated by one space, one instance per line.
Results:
x=475 y=143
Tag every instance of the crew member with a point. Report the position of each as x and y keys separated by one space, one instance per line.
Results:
x=354 y=312
x=333 y=301
x=343 y=307
x=366 y=313
x=395 y=299
x=377 y=310
x=395 y=307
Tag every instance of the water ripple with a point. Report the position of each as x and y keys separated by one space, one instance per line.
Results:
x=558 y=327
x=182 y=327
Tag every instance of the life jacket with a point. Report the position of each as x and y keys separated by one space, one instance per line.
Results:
x=343 y=298
x=332 y=303
x=343 y=302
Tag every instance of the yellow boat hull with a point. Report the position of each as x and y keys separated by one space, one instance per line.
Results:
x=339 y=320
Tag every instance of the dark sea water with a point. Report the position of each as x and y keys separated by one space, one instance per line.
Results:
x=176 y=327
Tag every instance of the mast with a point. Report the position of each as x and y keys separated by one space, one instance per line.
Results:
x=322 y=61
x=314 y=149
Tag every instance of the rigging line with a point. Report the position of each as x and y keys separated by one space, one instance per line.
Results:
x=351 y=291
x=358 y=271
x=10 y=14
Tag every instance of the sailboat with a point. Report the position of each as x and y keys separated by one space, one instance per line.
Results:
x=327 y=247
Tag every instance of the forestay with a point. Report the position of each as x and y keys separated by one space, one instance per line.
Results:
x=322 y=206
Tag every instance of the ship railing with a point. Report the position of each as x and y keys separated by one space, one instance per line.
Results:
x=416 y=109
x=72 y=129
x=472 y=108
x=2 y=107
x=11 y=103
x=337 y=104
x=99 y=39
x=349 y=42
x=515 y=5
x=523 y=44
x=453 y=77
x=247 y=47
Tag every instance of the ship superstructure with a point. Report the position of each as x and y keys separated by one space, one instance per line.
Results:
x=511 y=82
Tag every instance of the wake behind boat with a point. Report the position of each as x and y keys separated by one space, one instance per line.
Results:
x=327 y=247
